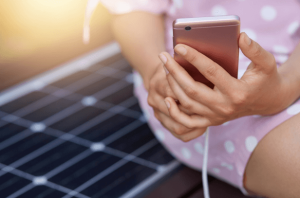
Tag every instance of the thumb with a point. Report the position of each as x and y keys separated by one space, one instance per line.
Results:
x=261 y=58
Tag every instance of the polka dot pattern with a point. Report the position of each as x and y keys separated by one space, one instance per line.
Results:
x=216 y=170
x=186 y=153
x=146 y=114
x=251 y=143
x=137 y=79
x=229 y=146
x=218 y=11
x=294 y=109
x=268 y=13
x=178 y=3
x=241 y=73
x=228 y=166
x=199 y=148
x=160 y=135
x=251 y=33
x=280 y=49
x=293 y=27
x=225 y=123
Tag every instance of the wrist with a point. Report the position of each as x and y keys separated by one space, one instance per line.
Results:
x=290 y=82
x=148 y=73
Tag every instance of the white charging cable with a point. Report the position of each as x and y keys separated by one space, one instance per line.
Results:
x=204 y=166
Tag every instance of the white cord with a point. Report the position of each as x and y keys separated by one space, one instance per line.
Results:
x=204 y=166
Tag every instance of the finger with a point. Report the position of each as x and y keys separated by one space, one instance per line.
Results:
x=184 y=110
x=165 y=90
x=192 y=88
x=175 y=128
x=160 y=84
x=259 y=56
x=188 y=103
x=192 y=134
x=207 y=67
x=157 y=102
x=189 y=121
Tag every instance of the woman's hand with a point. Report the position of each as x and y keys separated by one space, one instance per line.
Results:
x=159 y=89
x=261 y=90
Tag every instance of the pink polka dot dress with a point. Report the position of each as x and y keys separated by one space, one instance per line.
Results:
x=275 y=25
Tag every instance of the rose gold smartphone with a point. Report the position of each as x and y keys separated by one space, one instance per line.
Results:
x=215 y=37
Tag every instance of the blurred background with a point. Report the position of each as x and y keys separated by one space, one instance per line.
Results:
x=37 y=35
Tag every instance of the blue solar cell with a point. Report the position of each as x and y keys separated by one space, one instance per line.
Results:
x=71 y=79
x=120 y=96
x=22 y=101
x=24 y=147
x=97 y=86
x=157 y=154
x=133 y=140
x=136 y=107
x=106 y=128
x=49 y=110
x=77 y=119
x=52 y=159
x=84 y=170
x=10 y=183
x=43 y=192
x=9 y=130
x=119 y=181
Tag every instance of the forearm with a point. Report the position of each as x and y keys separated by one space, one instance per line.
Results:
x=141 y=37
x=290 y=73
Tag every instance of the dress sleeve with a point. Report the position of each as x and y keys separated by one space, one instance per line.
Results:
x=123 y=7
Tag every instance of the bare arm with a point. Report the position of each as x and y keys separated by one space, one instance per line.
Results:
x=141 y=37
x=290 y=72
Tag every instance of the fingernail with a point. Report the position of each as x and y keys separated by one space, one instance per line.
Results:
x=163 y=58
x=166 y=70
x=247 y=39
x=168 y=104
x=181 y=50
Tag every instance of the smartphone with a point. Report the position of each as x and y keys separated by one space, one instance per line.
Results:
x=215 y=37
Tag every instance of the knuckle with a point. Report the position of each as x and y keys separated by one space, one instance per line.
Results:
x=179 y=130
x=186 y=105
x=156 y=114
x=256 y=51
x=171 y=70
x=150 y=101
x=191 y=91
x=192 y=57
x=185 y=139
x=227 y=111
x=211 y=70
x=239 y=99
x=272 y=59
x=152 y=84
x=190 y=125
x=168 y=91
x=230 y=111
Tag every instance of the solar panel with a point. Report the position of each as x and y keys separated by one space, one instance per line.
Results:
x=78 y=131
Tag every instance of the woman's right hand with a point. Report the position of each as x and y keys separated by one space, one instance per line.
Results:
x=159 y=89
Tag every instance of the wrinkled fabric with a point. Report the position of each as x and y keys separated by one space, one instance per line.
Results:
x=275 y=26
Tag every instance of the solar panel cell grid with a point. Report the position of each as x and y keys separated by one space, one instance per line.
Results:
x=22 y=102
x=81 y=136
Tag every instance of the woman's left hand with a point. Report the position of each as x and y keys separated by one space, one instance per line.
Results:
x=260 y=91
